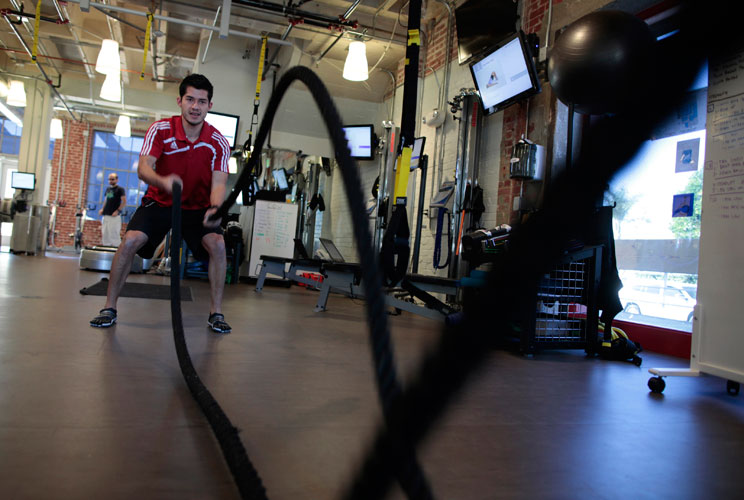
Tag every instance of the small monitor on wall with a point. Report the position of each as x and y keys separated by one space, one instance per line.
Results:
x=360 y=139
x=418 y=151
x=280 y=176
x=505 y=75
x=23 y=180
x=226 y=124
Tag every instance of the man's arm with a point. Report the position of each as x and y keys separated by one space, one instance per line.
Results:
x=122 y=203
x=216 y=196
x=146 y=172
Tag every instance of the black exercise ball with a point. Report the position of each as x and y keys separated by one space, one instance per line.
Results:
x=602 y=62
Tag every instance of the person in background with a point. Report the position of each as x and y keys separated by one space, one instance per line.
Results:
x=184 y=150
x=116 y=200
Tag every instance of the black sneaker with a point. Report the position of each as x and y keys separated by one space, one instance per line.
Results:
x=106 y=318
x=217 y=323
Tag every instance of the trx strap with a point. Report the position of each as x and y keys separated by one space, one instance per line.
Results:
x=36 y=31
x=257 y=99
x=395 y=249
x=147 y=46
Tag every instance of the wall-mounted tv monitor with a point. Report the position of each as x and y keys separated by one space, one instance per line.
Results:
x=481 y=24
x=360 y=139
x=280 y=176
x=505 y=75
x=23 y=180
x=418 y=151
x=226 y=124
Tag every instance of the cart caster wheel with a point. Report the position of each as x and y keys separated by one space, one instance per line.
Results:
x=656 y=384
x=732 y=387
x=637 y=360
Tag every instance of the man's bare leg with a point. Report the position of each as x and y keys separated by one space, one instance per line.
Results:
x=215 y=245
x=122 y=265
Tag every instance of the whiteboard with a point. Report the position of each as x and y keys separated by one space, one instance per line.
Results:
x=718 y=334
x=274 y=226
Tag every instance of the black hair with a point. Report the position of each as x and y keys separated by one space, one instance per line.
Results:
x=199 y=82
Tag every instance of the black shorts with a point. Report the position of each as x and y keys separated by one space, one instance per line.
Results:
x=155 y=221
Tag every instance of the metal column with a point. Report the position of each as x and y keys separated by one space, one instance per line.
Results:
x=466 y=173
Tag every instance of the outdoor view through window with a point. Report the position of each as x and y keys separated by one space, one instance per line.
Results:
x=657 y=218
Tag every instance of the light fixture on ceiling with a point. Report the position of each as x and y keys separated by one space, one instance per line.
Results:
x=55 y=130
x=3 y=89
x=355 y=67
x=16 y=94
x=123 y=127
x=111 y=88
x=108 y=60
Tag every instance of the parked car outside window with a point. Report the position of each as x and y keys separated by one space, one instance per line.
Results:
x=671 y=301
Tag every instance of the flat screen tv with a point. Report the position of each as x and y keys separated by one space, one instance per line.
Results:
x=360 y=139
x=23 y=180
x=280 y=176
x=505 y=75
x=418 y=151
x=226 y=124
x=481 y=24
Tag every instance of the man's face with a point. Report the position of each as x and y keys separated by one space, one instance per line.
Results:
x=113 y=179
x=194 y=105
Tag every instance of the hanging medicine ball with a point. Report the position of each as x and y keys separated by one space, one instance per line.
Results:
x=602 y=62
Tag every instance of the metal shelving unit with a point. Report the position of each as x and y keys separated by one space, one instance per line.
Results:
x=566 y=313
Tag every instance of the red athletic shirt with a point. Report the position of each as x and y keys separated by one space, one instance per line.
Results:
x=193 y=162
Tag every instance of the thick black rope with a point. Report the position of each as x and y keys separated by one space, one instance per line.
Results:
x=400 y=456
x=245 y=475
x=536 y=245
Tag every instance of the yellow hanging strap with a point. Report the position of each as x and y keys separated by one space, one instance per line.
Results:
x=403 y=171
x=36 y=31
x=257 y=99
x=147 y=45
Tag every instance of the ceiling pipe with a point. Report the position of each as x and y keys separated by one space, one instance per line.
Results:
x=182 y=21
x=46 y=77
x=209 y=39
x=91 y=74
x=294 y=12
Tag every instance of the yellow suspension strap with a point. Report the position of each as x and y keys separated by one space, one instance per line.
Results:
x=396 y=248
x=257 y=99
x=249 y=193
x=147 y=45
x=36 y=31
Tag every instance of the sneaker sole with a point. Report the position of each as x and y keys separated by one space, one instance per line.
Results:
x=103 y=325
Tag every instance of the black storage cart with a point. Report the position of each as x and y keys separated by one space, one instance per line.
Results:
x=566 y=313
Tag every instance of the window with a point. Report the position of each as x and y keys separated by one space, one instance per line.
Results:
x=656 y=219
x=10 y=137
x=119 y=155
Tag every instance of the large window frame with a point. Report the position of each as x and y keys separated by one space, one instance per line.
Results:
x=113 y=154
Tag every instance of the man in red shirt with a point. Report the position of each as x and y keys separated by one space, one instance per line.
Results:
x=183 y=149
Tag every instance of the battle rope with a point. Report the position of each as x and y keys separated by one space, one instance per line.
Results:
x=534 y=246
x=399 y=455
x=245 y=475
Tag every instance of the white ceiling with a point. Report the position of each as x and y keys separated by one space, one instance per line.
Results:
x=68 y=51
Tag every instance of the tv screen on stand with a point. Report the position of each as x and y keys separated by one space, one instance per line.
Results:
x=505 y=75
x=226 y=124
x=481 y=24
x=360 y=139
x=23 y=180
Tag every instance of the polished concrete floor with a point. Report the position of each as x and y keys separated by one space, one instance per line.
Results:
x=88 y=413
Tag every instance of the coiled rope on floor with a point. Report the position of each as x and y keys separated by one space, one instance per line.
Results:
x=245 y=475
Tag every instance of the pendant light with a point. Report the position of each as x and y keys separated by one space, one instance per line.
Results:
x=111 y=88
x=123 y=127
x=16 y=94
x=109 y=60
x=355 y=68
x=55 y=130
